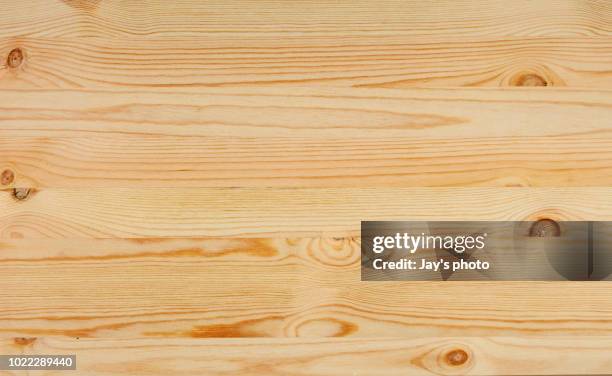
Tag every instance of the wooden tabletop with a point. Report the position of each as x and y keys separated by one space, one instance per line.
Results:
x=182 y=182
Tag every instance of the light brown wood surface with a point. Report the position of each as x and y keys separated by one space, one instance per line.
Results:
x=323 y=137
x=170 y=288
x=392 y=61
x=182 y=183
x=381 y=357
x=127 y=20
x=244 y=212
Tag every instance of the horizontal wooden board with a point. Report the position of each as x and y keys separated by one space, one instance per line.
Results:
x=307 y=112
x=579 y=160
x=316 y=357
x=194 y=212
x=263 y=287
x=305 y=137
x=161 y=19
x=392 y=61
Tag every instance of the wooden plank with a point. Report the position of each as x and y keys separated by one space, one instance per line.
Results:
x=196 y=212
x=310 y=112
x=118 y=160
x=305 y=137
x=316 y=357
x=252 y=60
x=263 y=287
x=161 y=19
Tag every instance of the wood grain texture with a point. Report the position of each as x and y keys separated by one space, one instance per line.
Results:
x=301 y=136
x=381 y=61
x=330 y=357
x=197 y=212
x=186 y=18
x=263 y=287
x=182 y=183
x=307 y=112
x=578 y=160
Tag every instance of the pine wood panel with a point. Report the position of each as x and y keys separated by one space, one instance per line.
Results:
x=302 y=136
x=196 y=212
x=187 y=18
x=317 y=357
x=306 y=112
x=184 y=171
x=263 y=287
x=578 y=160
x=376 y=61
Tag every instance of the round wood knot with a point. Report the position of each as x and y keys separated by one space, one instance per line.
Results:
x=545 y=228
x=7 y=177
x=14 y=58
x=21 y=194
x=456 y=357
x=529 y=79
